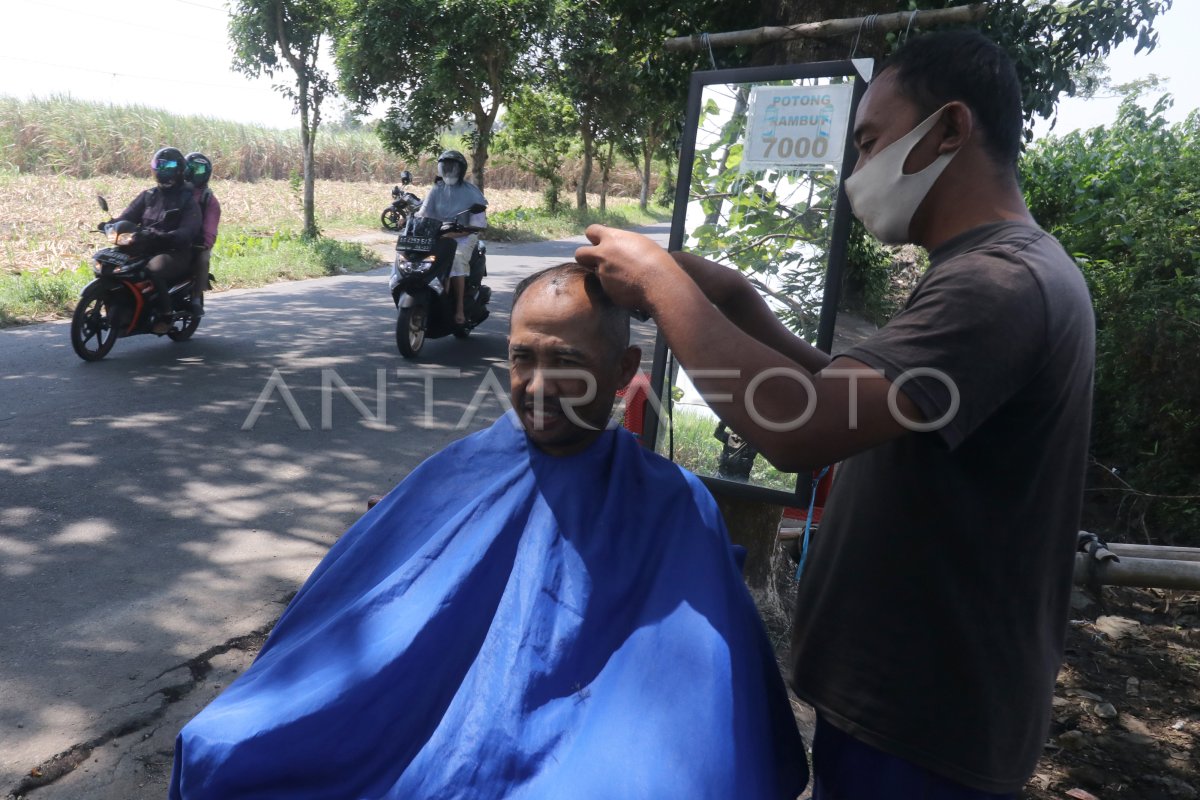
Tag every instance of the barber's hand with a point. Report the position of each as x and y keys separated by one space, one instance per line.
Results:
x=626 y=262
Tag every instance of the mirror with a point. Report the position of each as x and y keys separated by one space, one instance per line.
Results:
x=103 y=203
x=760 y=191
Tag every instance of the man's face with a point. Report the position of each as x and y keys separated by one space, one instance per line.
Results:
x=563 y=371
x=884 y=115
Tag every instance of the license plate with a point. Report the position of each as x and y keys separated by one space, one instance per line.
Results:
x=414 y=243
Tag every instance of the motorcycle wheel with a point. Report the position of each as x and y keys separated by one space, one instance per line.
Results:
x=182 y=329
x=392 y=219
x=92 y=330
x=410 y=330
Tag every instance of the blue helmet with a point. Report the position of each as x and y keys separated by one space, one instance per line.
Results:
x=168 y=166
x=199 y=169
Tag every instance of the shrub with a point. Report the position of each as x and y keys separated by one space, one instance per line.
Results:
x=1125 y=200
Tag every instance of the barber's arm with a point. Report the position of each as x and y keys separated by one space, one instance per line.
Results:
x=728 y=290
x=798 y=417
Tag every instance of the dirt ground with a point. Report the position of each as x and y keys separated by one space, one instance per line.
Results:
x=1127 y=704
x=1126 y=720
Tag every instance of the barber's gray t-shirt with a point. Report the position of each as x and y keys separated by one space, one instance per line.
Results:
x=931 y=615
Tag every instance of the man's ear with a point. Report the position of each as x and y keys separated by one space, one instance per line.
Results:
x=631 y=360
x=957 y=125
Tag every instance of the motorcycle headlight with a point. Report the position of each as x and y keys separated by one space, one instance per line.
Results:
x=414 y=267
x=120 y=239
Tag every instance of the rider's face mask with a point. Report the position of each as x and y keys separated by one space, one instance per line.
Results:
x=883 y=197
x=448 y=171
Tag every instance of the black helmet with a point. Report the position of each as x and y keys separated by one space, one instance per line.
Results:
x=199 y=169
x=168 y=166
x=454 y=156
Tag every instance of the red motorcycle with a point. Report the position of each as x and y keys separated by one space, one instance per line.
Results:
x=121 y=301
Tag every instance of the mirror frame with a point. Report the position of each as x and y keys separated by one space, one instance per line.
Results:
x=839 y=236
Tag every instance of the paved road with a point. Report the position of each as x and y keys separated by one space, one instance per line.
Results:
x=146 y=529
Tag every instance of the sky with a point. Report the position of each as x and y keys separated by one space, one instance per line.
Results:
x=131 y=52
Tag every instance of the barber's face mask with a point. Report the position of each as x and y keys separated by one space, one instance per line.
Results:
x=448 y=171
x=883 y=197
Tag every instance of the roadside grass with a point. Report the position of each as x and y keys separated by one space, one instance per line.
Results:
x=698 y=450
x=534 y=224
x=48 y=232
x=239 y=259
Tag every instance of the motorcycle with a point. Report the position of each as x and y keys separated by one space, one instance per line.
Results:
x=420 y=284
x=404 y=205
x=121 y=300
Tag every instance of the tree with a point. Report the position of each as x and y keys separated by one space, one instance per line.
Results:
x=590 y=61
x=655 y=91
x=435 y=59
x=539 y=132
x=1048 y=41
x=270 y=36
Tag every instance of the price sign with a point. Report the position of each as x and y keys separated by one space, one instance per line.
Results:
x=796 y=127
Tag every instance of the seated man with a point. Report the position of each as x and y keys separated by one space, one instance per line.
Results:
x=568 y=622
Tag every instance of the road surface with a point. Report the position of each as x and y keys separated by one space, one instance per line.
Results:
x=161 y=506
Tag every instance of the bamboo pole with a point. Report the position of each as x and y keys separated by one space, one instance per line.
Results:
x=900 y=20
x=1155 y=551
x=1156 y=573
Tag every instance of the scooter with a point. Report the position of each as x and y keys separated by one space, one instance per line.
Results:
x=420 y=284
x=121 y=300
x=404 y=205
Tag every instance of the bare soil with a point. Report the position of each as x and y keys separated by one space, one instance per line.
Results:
x=1126 y=718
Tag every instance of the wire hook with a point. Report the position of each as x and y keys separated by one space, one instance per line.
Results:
x=708 y=43
x=867 y=22
x=911 y=17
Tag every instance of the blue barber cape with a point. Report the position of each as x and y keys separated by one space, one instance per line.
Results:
x=509 y=624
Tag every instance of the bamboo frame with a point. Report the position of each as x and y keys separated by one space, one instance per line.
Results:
x=899 y=20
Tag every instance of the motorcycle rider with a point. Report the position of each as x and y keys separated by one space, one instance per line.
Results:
x=450 y=200
x=198 y=171
x=170 y=221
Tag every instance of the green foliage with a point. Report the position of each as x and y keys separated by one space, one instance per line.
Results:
x=81 y=139
x=1049 y=40
x=867 y=281
x=434 y=60
x=1125 y=199
x=772 y=225
x=540 y=135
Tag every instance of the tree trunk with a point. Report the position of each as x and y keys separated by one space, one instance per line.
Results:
x=306 y=146
x=647 y=157
x=605 y=169
x=585 y=173
x=753 y=525
x=479 y=155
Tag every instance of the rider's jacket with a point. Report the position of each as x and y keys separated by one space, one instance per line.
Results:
x=170 y=212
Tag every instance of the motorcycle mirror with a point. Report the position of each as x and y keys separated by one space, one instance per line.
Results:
x=103 y=203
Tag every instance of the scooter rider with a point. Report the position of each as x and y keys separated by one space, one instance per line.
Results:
x=198 y=171
x=450 y=200
x=170 y=221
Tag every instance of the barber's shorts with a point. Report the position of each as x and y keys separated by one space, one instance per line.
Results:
x=461 y=267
